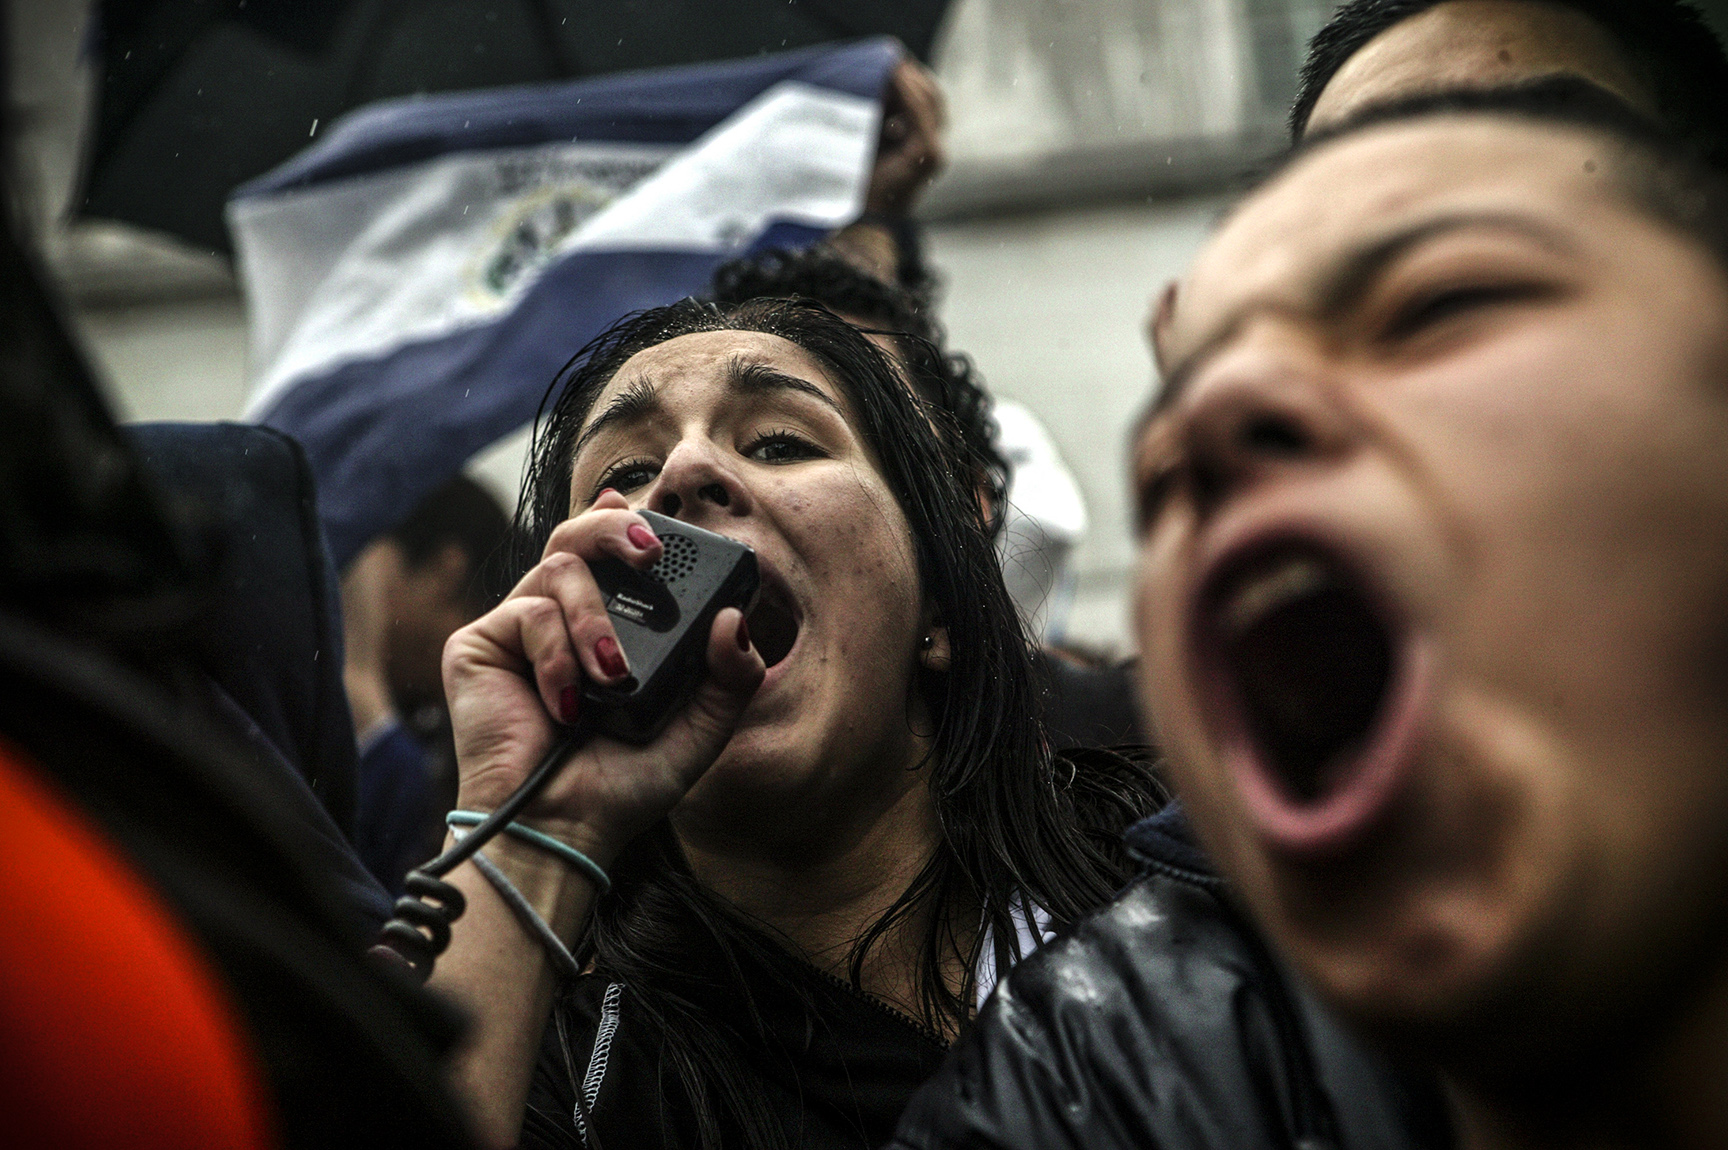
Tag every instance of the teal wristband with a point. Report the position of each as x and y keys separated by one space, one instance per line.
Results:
x=544 y=841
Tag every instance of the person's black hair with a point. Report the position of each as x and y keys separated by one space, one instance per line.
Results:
x=945 y=378
x=1017 y=822
x=1661 y=174
x=466 y=514
x=1665 y=44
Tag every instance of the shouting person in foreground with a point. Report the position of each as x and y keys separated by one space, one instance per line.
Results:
x=1434 y=537
x=1434 y=599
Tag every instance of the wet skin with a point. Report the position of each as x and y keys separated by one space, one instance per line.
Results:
x=831 y=731
x=1500 y=398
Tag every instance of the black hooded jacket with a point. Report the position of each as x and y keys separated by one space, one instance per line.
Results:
x=1162 y=1021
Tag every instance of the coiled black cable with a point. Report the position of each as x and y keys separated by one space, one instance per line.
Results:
x=421 y=929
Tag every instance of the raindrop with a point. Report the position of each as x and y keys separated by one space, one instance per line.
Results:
x=314 y=130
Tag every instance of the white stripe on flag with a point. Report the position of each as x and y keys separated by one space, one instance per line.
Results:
x=376 y=260
x=354 y=270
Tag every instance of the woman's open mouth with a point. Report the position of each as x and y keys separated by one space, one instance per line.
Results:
x=1316 y=691
x=773 y=623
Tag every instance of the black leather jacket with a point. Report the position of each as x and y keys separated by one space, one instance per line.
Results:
x=1162 y=1021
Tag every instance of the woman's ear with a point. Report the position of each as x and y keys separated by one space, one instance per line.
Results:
x=934 y=654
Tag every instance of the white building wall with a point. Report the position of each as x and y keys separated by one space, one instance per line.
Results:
x=175 y=359
x=1052 y=308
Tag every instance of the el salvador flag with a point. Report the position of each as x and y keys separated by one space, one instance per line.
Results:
x=417 y=278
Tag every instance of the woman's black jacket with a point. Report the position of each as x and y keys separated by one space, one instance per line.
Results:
x=1163 y=1022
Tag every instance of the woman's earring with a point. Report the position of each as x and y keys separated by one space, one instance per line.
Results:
x=933 y=650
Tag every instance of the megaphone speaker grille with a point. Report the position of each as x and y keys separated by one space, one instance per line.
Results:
x=677 y=561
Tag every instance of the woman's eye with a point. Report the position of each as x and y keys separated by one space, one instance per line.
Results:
x=781 y=447
x=1437 y=307
x=626 y=476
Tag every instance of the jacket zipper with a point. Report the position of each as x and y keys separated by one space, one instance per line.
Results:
x=923 y=1031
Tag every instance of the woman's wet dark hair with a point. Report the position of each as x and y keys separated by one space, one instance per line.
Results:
x=1016 y=821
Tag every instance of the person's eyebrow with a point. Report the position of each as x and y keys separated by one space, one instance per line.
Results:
x=1349 y=279
x=760 y=379
x=636 y=403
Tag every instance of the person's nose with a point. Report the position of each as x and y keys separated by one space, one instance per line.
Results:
x=697 y=483
x=1266 y=409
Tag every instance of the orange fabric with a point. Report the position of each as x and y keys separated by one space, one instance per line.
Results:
x=114 y=1030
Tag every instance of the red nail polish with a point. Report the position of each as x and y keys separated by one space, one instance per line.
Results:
x=643 y=538
x=605 y=491
x=611 y=658
x=567 y=705
x=743 y=634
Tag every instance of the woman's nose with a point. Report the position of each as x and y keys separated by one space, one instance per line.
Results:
x=695 y=482
x=1263 y=411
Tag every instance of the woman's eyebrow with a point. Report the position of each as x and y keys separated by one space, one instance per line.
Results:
x=760 y=379
x=1350 y=277
x=637 y=402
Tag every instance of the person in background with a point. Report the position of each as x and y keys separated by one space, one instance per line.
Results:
x=402 y=597
x=1434 y=557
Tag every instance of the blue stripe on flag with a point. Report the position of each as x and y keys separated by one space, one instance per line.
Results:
x=664 y=106
x=383 y=433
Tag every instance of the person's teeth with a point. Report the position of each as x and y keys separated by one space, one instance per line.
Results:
x=1259 y=596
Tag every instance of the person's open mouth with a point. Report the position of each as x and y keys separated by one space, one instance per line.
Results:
x=773 y=622
x=1315 y=688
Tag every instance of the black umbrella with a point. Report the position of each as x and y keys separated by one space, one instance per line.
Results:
x=199 y=96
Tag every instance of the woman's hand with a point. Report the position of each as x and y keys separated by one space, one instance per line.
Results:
x=508 y=673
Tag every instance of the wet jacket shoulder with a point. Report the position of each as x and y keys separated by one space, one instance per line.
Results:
x=1162 y=1021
